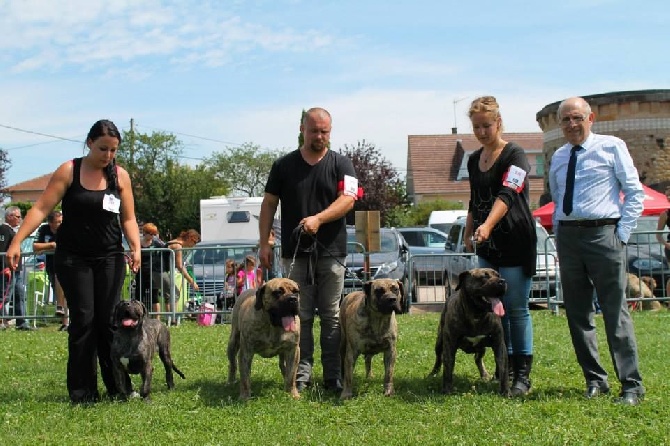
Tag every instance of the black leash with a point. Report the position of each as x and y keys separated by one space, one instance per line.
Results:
x=300 y=229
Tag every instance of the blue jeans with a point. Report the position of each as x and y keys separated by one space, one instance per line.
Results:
x=19 y=298
x=517 y=324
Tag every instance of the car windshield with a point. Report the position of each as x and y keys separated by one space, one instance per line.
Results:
x=389 y=243
x=217 y=255
x=647 y=225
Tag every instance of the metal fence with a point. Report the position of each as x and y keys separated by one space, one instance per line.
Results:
x=429 y=279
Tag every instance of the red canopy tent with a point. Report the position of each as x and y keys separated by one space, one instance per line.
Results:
x=654 y=204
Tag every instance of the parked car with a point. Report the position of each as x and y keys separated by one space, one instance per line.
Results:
x=645 y=256
x=544 y=284
x=427 y=269
x=389 y=262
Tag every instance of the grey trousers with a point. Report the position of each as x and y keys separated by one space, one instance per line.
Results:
x=595 y=257
x=323 y=294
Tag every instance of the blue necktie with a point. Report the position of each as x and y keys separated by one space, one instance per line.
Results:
x=570 y=181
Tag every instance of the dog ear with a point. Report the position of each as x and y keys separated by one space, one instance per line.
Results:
x=462 y=277
x=367 y=288
x=259 y=298
x=402 y=294
x=144 y=309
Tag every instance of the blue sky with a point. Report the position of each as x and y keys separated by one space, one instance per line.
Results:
x=222 y=73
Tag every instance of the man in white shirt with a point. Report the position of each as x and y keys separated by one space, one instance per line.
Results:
x=592 y=225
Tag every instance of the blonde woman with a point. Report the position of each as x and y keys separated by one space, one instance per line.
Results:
x=500 y=222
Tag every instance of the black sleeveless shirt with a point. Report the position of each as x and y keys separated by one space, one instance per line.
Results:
x=88 y=229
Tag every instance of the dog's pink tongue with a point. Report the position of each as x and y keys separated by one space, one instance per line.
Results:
x=128 y=322
x=289 y=323
x=497 y=306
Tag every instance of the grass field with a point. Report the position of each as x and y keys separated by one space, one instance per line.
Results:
x=204 y=410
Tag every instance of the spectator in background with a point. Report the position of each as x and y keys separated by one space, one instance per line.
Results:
x=46 y=243
x=18 y=290
x=154 y=278
x=663 y=224
x=186 y=239
x=247 y=276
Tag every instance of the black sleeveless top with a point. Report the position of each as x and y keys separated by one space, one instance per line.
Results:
x=88 y=229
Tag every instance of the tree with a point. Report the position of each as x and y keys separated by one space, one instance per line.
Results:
x=5 y=164
x=166 y=192
x=383 y=188
x=244 y=169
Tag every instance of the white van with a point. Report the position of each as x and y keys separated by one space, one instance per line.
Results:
x=225 y=218
x=442 y=220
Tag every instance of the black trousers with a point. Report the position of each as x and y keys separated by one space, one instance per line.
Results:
x=93 y=287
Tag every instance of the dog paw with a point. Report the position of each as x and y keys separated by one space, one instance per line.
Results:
x=346 y=395
x=389 y=391
x=134 y=394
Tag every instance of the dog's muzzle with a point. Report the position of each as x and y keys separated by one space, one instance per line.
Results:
x=388 y=303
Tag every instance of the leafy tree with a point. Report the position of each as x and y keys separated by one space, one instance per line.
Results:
x=166 y=192
x=243 y=169
x=383 y=188
x=5 y=164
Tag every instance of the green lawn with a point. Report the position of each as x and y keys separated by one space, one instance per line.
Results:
x=204 y=410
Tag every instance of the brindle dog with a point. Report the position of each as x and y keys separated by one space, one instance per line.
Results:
x=471 y=321
x=265 y=321
x=136 y=339
x=368 y=324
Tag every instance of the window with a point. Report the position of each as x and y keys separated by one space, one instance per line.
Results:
x=238 y=217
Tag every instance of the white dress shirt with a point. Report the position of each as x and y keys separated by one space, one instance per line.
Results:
x=606 y=183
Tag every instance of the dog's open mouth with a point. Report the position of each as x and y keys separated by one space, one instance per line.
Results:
x=496 y=306
x=289 y=323
x=128 y=322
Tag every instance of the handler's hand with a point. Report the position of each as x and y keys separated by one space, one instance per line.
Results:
x=265 y=256
x=482 y=233
x=135 y=261
x=311 y=224
x=13 y=255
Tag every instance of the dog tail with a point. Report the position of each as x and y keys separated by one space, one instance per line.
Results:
x=174 y=367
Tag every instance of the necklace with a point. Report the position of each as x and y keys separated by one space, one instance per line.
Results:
x=491 y=156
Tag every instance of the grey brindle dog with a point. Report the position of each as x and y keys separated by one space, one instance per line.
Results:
x=136 y=339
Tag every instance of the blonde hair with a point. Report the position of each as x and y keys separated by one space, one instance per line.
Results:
x=485 y=104
x=149 y=228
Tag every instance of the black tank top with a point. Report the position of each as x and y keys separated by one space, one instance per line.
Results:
x=87 y=228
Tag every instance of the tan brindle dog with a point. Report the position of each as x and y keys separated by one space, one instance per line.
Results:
x=265 y=321
x=368 y=324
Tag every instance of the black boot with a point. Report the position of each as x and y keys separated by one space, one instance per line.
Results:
x=522 y=365
x=510 y=369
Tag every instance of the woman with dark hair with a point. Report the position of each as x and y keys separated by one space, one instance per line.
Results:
x=97 y=204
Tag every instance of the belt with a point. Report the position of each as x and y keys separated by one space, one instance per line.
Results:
x=589 y=223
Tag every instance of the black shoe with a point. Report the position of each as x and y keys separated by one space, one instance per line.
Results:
x=63 y=327
x=302 y=385
x=333 y=385
x=629 y=399
x=26 y=327
x=595 y=391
